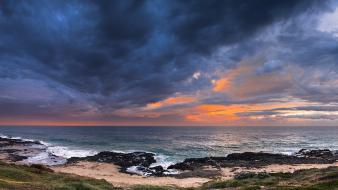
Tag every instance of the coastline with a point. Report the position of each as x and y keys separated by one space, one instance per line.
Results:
x=192 y=172
x=111 y=173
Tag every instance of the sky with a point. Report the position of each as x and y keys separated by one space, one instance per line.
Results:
x=169 y=62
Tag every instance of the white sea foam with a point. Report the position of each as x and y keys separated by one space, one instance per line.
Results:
x=3 y=136
x=162 y=160
x=46 y=159
x=45 y=143
x=171 y=172
x=135 y=170
x=120 y=151
x=18 y=138
x=66 y=152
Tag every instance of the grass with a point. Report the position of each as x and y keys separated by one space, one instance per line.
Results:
x=38 y=177
x=151 y=187
x=311 y=179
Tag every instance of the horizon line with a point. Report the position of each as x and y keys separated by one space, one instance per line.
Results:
x=166 y=126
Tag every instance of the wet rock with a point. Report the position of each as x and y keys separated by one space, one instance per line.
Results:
x=254 y=156
x=321 y=153
x=258 y=159
x=19 y=150
x=9 y=141
x=140 y=160
x=16 y=158
x=124 y=160
x=157 y=170
x=9 y=150
x=192 y=163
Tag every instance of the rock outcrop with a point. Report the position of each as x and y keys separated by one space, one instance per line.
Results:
x=124 y=160
x=258 y=159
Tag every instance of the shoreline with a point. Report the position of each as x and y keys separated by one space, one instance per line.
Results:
x=192 y=172
x=111 y=174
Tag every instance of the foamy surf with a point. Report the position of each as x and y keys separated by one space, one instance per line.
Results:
x=161 y=160
x=45 y=158
x=67 y=152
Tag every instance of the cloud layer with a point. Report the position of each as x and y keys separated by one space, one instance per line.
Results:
x=159 y=62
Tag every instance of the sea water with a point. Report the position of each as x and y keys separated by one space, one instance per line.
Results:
x=174 y=144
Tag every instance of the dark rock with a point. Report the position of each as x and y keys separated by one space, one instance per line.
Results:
x=9 y=150
x=124 y=160
x=15 y=150
x=192 y=163
x=321 y=153
x=152 y=171
x=41 y=167
x=199 y=172
x=258 y=159
x=157 y=170
x=254 y=156
x=16 y=158
x=9 y=141
x=247 y=175
x=142 y=160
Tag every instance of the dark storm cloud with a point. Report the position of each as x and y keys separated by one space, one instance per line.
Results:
x=128 y=52
x=205 y=25
x=315 y=54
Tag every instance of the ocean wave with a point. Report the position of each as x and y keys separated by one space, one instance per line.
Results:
x=17 y=138
x=162 y=160
x=57 y=155
x=46 y=159
x=53 y=154
x=67 y=152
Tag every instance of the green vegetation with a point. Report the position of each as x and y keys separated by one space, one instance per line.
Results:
x=38 y=177
x=311 y=179
x=150 y=187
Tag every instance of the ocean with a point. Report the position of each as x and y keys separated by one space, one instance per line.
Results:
x=174 y=144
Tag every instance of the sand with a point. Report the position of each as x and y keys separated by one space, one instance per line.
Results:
x=110 y=173
x=229 y=173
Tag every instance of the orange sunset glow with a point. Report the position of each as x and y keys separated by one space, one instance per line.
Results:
x=147 y=67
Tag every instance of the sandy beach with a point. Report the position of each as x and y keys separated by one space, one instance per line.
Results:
x=111 y=173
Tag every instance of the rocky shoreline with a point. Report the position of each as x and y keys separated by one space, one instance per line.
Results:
x=20 y=151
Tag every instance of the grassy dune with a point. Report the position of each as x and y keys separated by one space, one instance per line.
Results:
x=311 y=179
x=38 y=177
